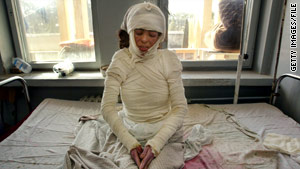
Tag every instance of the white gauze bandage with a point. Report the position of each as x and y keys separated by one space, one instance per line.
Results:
x=150 y=85
x=144 y=16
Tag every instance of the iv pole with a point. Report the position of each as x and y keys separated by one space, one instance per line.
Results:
x=241 y=57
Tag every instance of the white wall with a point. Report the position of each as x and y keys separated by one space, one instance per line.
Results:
x=266 y=44
x=6 y=45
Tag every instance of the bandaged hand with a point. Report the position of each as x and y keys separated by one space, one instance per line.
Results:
x=147 y=156
x=135 y=155
x=88 y=117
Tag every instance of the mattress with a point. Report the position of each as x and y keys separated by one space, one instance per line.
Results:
x=237 y=130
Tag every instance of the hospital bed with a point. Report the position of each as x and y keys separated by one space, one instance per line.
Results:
x=237 y=132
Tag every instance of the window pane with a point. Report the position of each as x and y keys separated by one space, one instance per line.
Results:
x=55 y=30
x=201 y=30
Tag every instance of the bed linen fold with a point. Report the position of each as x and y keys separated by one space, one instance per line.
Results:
x=96 y=146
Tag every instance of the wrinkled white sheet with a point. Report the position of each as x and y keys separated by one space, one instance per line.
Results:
x=95 y=146
x=198 y=137
x=235 y=144
x=282 y=143
x=44 y=138
x=262 y=119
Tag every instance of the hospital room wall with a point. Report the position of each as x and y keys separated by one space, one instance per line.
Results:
x=267 y=39
x=6 y=44
x=289 y=99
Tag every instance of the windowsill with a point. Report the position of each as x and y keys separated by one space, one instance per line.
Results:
x=95 y=79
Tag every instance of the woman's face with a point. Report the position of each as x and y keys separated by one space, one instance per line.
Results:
x=145 y=39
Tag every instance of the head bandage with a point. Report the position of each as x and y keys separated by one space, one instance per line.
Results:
x=144 y=16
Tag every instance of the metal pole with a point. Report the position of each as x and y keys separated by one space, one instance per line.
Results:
x=241 y=58
x=24 y=84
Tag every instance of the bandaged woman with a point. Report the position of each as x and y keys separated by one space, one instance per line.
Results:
x=149 y=82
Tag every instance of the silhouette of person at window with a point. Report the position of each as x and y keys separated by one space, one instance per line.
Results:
x=225 y=36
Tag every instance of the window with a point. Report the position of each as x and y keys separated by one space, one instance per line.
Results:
x=207 y=33
x=85 y=31
x=54 y=30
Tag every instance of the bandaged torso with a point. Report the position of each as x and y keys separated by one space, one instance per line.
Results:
x=152 y=94
x=145 y=93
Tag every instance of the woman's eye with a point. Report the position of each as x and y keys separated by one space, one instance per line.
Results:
x=138 y=32
x=153 y=34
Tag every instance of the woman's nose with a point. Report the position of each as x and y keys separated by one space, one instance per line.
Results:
x=144 y=38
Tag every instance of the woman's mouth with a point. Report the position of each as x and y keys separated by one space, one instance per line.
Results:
x=143 y=49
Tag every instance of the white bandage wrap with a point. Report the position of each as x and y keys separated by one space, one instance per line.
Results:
x=150 y=86
x=151 y=91
x=144 y=16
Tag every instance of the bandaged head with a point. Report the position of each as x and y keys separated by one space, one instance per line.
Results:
x=144 y=16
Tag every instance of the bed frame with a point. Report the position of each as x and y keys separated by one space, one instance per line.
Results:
x=24 y=85
x=275 y=93
x=26 y=95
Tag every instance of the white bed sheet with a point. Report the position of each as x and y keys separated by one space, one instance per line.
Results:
x=233 y=149
x=44 y=138
x=263 y=118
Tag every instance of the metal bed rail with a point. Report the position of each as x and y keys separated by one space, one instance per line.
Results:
x=24 y=85
x=277 y=85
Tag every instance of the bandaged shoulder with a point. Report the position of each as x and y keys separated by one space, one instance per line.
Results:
x=172 y=64
x=118 y=67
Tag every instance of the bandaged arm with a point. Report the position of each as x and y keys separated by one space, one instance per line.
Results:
x=178 y=106
x=113 y=82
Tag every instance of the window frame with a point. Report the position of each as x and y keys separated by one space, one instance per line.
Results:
x=249 y=37
x=102 y=58
x=20 y=44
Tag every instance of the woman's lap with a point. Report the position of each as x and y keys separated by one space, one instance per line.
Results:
x=95 y=136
